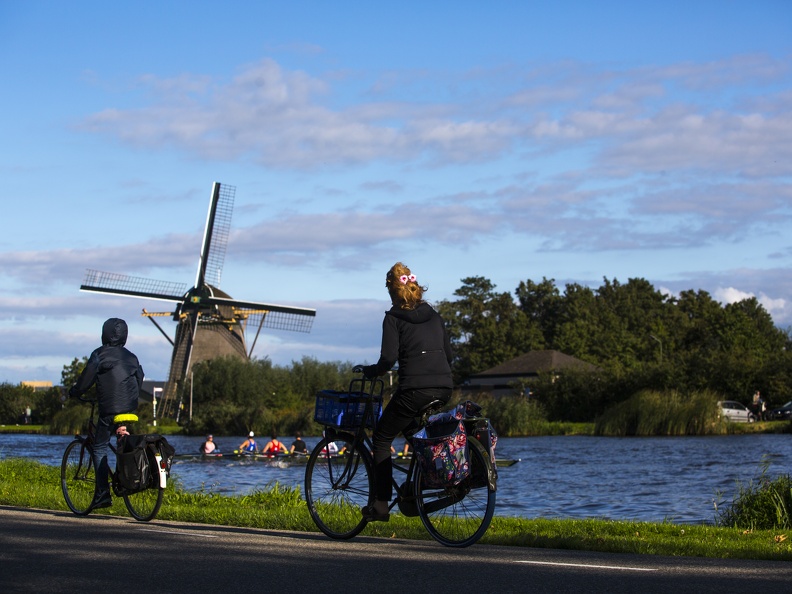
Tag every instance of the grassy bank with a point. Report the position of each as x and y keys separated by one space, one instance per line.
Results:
x=282 y=508
x=541 y=429
x=47 y=430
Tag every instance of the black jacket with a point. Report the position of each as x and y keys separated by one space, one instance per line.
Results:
x=115 y=370
x=417 y=339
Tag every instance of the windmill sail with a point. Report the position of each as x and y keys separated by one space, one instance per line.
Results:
x=218 y=224
x=132 y=286
x=210 y=322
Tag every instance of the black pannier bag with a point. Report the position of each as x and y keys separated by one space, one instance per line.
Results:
x=133 y=470
x=137 y=465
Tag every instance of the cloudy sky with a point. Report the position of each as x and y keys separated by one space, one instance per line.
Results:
x=510 y=140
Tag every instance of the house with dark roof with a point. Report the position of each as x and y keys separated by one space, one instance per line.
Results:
x=500 y=380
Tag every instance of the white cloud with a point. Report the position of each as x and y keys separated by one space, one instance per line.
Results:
x=777 y=308
x=731 y=295
x=277 y=117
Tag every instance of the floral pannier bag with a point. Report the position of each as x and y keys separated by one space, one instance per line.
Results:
x=442 y=451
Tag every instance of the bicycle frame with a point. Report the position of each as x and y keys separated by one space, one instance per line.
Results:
x=404 y=498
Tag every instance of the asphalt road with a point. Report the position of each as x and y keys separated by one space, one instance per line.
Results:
x=50 y=551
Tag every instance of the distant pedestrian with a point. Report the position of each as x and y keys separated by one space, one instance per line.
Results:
x=758 y=405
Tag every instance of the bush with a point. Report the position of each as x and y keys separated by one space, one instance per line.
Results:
x=650 y=412
x=761 y=505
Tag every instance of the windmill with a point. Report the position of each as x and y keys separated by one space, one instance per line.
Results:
x=209 y=322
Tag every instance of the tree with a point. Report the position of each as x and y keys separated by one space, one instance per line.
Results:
x=543 y=304
x=486 y=328
x=578 y=328
x=71 y=372
x=232 y=396
x=13 y=401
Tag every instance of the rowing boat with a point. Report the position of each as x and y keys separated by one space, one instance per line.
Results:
x=243 y=456
x=289 y=459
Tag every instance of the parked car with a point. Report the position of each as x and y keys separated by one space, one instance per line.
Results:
x=782 y=413
x=736 y=412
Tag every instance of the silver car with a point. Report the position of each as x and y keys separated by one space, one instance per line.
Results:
x=736 y=412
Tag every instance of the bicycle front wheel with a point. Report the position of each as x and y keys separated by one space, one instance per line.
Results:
x=78 y=478
x=336 y=487
x=459 y=515
x=145 y=505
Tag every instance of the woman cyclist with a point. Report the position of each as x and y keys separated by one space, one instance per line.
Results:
x=414 y=335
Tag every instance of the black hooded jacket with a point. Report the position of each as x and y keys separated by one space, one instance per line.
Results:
x=115 y=370
x=417 y=339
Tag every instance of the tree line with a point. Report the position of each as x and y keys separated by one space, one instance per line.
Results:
x=639 y=338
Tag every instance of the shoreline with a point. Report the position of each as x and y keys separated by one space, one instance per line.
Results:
x=587 y=429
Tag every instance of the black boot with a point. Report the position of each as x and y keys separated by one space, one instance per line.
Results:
x=377 y=512
x=101 y=500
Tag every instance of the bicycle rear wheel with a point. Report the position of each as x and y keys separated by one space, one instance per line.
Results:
x=78 y=479
x=145 y=505
x=458 y=516
x=336 y=487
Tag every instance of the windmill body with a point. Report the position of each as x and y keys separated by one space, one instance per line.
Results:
x=210 y=323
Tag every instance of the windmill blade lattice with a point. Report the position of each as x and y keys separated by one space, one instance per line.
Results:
x=274 y=320
x=132 y=286
x=218 y=225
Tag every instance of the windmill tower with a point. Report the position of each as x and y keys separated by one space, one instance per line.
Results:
x=210 y=323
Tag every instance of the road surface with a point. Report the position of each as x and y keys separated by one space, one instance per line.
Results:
x=52 y=551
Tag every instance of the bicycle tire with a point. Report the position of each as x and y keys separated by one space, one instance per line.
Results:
x=336 y=487
x=144 y=505
x=78 y=477
x=459 y=515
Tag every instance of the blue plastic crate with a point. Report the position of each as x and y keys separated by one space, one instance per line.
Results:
x=344 y=409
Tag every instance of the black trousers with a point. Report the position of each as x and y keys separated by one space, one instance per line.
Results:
x=400 y=413
x=104 y=429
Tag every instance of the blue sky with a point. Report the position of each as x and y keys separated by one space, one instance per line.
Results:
x=514 y=141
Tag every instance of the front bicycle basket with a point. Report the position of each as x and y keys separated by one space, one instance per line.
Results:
x=345 y=410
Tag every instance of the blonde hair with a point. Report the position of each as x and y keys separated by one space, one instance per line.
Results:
x=405 y=292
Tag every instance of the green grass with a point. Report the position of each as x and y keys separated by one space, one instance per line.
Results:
x=540 y=429
x=763 y=503
x=23 y=428
x=282 y=508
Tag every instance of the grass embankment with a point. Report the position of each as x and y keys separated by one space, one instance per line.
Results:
x=171 y=429
x=281 y=508
x=544 y=429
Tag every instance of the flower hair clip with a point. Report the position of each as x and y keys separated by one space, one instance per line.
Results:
x=404 y=279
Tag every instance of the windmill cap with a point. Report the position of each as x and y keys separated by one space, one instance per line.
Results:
x=250 y=434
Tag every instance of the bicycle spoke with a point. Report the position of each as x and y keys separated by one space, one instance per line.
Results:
x=78 y=481
x=457 y=516
x=144 y=505
x=336 y=487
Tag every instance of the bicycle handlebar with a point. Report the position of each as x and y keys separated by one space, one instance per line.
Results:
x=82 y=398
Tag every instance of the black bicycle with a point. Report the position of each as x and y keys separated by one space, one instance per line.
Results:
x=339 y=477
x=78 y=475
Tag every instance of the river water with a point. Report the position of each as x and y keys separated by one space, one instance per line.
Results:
x=675 y=479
